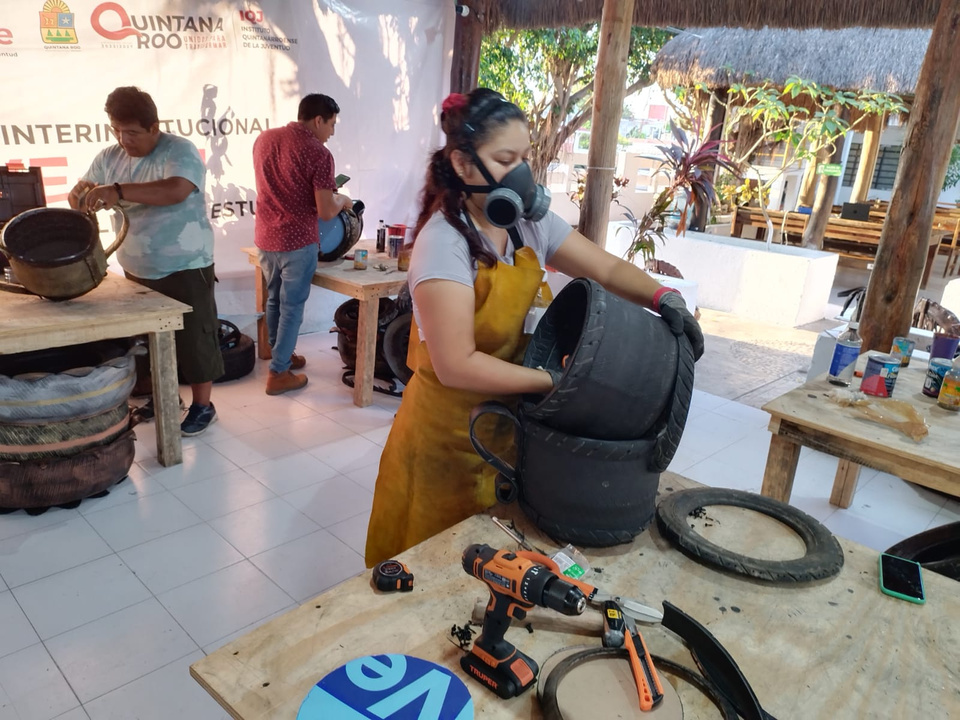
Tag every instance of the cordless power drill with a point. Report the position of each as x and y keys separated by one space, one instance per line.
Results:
x=516 y=585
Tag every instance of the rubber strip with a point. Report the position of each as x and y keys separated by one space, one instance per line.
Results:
x=551 y=708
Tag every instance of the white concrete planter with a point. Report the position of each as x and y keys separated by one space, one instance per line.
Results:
x=785 y=286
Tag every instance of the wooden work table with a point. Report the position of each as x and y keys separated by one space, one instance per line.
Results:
x=367 y=286
x=806 y=416
x=118 y=308
x=834 y=649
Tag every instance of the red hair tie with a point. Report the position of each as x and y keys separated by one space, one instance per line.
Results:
x=455 y=101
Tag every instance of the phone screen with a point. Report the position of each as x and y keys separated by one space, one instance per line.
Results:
x=901 y=576
x=341 y=180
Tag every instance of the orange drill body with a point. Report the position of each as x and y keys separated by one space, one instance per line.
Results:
x=516 y=585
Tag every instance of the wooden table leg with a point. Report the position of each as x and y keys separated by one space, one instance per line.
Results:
x=931 y=257
x=366 y=351
x=782 y=459
x=163 y=369
x=264 y=351
x=845 y=483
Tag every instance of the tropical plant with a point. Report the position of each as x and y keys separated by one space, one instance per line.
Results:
x=576 y=195
x=689 y=163
x=550 y=75
x=953 y=168
x=803 y=118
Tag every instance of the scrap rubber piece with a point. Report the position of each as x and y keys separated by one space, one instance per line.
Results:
x=823 y=559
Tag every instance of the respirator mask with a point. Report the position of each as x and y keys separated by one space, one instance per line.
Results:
x=516 y=196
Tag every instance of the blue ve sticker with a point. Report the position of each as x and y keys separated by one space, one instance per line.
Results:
x=388 y=687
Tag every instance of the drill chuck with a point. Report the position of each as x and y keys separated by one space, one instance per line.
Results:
x=563 y=597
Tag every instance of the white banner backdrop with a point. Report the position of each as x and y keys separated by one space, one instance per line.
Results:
x=220 y=73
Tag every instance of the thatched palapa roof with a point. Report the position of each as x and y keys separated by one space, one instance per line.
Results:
x=851 y=59
x=495 y=14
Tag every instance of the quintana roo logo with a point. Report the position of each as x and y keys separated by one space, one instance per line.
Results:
x=56 y=24
x=109 y=8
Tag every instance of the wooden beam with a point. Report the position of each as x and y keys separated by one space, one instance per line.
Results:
x=868 y=157
x=609 y=88
x=467 y=36
x=931 y=130
x=826 y=192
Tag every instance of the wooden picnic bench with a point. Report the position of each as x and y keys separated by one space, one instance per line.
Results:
x=852 y=239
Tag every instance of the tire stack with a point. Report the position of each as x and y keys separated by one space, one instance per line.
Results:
x=64 y=424
x=590 y=453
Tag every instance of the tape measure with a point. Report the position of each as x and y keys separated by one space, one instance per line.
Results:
x=391 y=575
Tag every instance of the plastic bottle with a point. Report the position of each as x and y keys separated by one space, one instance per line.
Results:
x=845 y=356
x=949 y=397
x=381 y=237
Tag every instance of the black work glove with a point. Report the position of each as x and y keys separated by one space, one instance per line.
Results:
x=673 y=309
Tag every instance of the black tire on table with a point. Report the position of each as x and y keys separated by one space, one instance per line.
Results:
x=63 y=438
x=823 y=559
x=668 y=439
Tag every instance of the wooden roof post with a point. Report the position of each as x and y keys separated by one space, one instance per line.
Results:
x=467 y=36
x=931 y=129
x=868 y=157
x=610 y=83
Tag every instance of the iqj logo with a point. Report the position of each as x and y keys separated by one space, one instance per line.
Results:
x=388 y=687
x=56 y=24
x=252 y=15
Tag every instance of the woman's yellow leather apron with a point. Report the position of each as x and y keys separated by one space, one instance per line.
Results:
x=430 y=477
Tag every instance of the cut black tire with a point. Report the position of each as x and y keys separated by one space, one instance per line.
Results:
x=396 y=342
x=823 y=559
x=238 y=360
x=937 y=549
x=668 y=438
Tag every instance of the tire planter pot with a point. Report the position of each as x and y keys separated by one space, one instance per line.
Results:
x=63 y=438
x=618 y=362
x=33 y=484
x=75 y=391
x=594 y=493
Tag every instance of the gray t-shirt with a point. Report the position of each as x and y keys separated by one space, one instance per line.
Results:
x=441 y=253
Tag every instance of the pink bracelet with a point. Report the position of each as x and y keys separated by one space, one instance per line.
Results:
x=660 y=293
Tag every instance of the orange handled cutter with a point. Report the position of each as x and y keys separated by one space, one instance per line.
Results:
x=649 y=689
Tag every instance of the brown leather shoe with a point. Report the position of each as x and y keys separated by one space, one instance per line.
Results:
x=297 y=361
x=279 y=383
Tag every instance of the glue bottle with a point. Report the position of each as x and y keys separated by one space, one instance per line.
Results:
x=845 y=356
x=381 y=237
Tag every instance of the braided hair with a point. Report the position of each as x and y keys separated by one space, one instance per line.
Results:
x=468 y=121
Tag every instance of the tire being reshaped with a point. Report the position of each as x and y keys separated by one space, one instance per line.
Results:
x=823 y=559
x=593 y=493
x=63 y=438
x=621 y=364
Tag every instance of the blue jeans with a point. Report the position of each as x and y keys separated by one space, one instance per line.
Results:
x=288 y=276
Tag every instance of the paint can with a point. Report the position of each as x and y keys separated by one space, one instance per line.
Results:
x=949 y=397
x=904 y=348
x=880 y=374
x=359 y=259
x=936 y=371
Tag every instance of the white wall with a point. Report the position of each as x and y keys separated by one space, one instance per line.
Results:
x=386 y=62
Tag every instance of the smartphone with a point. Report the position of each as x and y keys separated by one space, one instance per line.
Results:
x=901 y=578
x=341 y=180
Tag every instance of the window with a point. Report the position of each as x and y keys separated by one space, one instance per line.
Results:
x=853 y=163
x=885 y=172
x=887 y=164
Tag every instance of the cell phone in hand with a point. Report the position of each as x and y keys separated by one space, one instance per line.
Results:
x=341 y=180
x=901 y=578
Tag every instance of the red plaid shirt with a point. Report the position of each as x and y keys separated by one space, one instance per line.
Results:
x=290 y=163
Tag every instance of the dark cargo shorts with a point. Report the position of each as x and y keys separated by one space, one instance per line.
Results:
x=199 y=359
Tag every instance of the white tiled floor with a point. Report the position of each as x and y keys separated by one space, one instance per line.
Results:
x=104 y=607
